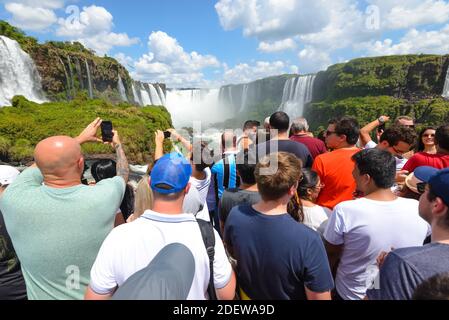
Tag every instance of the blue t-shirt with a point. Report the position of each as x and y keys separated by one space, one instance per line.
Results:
x=404 y=269
x=276 y=256
x=218 y=170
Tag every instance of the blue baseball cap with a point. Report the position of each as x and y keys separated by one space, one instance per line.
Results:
x=437 y=179
x=170 y=174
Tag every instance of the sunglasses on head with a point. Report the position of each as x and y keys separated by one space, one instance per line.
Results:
x=421 y=187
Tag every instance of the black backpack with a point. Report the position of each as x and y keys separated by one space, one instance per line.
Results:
x=207 y=233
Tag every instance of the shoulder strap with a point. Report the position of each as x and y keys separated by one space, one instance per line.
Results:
x=207 y=232
x=227 y=172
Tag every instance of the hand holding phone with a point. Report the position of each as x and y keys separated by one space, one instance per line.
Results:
x=106 y=131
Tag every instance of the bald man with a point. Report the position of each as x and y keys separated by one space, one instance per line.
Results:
x=56 y=224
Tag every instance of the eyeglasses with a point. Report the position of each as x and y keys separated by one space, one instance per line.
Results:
x=421 y=187
x=430 y=135
x=328 y=133
x=399 y=153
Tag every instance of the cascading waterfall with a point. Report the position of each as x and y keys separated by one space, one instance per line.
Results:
x=72 y=80
x=189 y=105
x=135 y=95
x=121 y=89
x=446 y=86
x=18 y=74
x=146 y=100
x=67 y=80
x=89 y=80
x=244 y=97
x=78 y=71
x=154 y=95
x=161 y=95
x=297 y=93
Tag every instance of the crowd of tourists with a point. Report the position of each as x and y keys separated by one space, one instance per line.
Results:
x=275 y=214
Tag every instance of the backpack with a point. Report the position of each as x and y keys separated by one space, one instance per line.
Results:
x=207 y=233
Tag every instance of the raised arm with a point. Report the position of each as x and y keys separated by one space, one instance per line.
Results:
x=122 y=162
x=90 y=133
x=366 y=130
x=176 y=136
x=159 y=142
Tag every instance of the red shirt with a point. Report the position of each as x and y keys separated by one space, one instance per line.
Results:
x=315 y=146
x=439 y=161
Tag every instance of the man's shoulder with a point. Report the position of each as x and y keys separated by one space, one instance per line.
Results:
x=421 y=254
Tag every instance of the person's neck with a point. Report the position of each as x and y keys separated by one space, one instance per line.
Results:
x=199 y=175
x=167 y=207
x=61 y=183
x=380 y=195
x=301 y=134
x=307 y=203
x=281 y=136
x=233 y=149
x=430 y=149
x=346 y=146
x=249 y=187
x=271 y=208
x=439 y=235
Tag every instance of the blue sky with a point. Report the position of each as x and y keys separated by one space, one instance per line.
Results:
x=205 y=43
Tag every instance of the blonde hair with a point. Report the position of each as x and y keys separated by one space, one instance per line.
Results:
x=144 y=197
x=275 y=186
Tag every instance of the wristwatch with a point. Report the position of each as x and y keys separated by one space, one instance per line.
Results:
x=381 y=120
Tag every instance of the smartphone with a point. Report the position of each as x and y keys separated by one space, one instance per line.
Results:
x=167 y=134
x=106 y=131
x=381 y=128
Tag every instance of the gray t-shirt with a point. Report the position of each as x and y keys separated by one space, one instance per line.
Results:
x=57 y=233
x=404 y=269
x=235 y=197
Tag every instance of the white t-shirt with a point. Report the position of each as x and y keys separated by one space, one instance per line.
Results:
x=366 y=228
x=202 y=185
x=400 y=163
x=131 y=247
x=316 y=217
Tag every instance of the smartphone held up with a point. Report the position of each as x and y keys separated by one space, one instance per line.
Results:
x=106 y=131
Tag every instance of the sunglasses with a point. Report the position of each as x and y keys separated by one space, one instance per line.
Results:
x=421 y=187
x=432 y=135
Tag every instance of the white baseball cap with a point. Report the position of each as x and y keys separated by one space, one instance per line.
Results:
x=7 y=175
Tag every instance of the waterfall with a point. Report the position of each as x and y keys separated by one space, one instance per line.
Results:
x=135 y=95
x=78 y=71
x=189 y=105
x=297 y=93
x=18 y=74
x=146 y=101
x=72 y=80
x=89 y=80
x=67 y=80
x=121 y=89
x=161 y=95
x=154 y=96
x=446 y=86
x=244 y=97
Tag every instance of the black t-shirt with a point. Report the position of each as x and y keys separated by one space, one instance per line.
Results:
x=235 y=197
x=12 y=284
x=296 y=148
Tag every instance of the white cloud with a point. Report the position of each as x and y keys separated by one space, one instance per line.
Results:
x=168 y=62
x=276 y=46
x=312 y=59
x=243 y=72
x=49 y=4
x=273 y=19
x=414 y=41
x=94 y=30
x=30 y=18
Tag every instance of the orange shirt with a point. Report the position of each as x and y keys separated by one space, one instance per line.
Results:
x=335 y=171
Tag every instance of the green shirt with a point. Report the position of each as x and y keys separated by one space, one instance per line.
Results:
x=57 y=233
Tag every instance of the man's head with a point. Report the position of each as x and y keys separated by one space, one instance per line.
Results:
x=59 y=158
x=342 y=132
x=284 y=182
x=405 y=121
x=266 y=123
x=251 y=126
x=374 y=169
x=442 y=138
x=434 y=201
x=397 y=140
x=169 y=178
x=246 y=165
x=299 y=125
x=280 y=121
x=434 y=288
x=7 y=176
x=201 y=156
x=228 y=141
